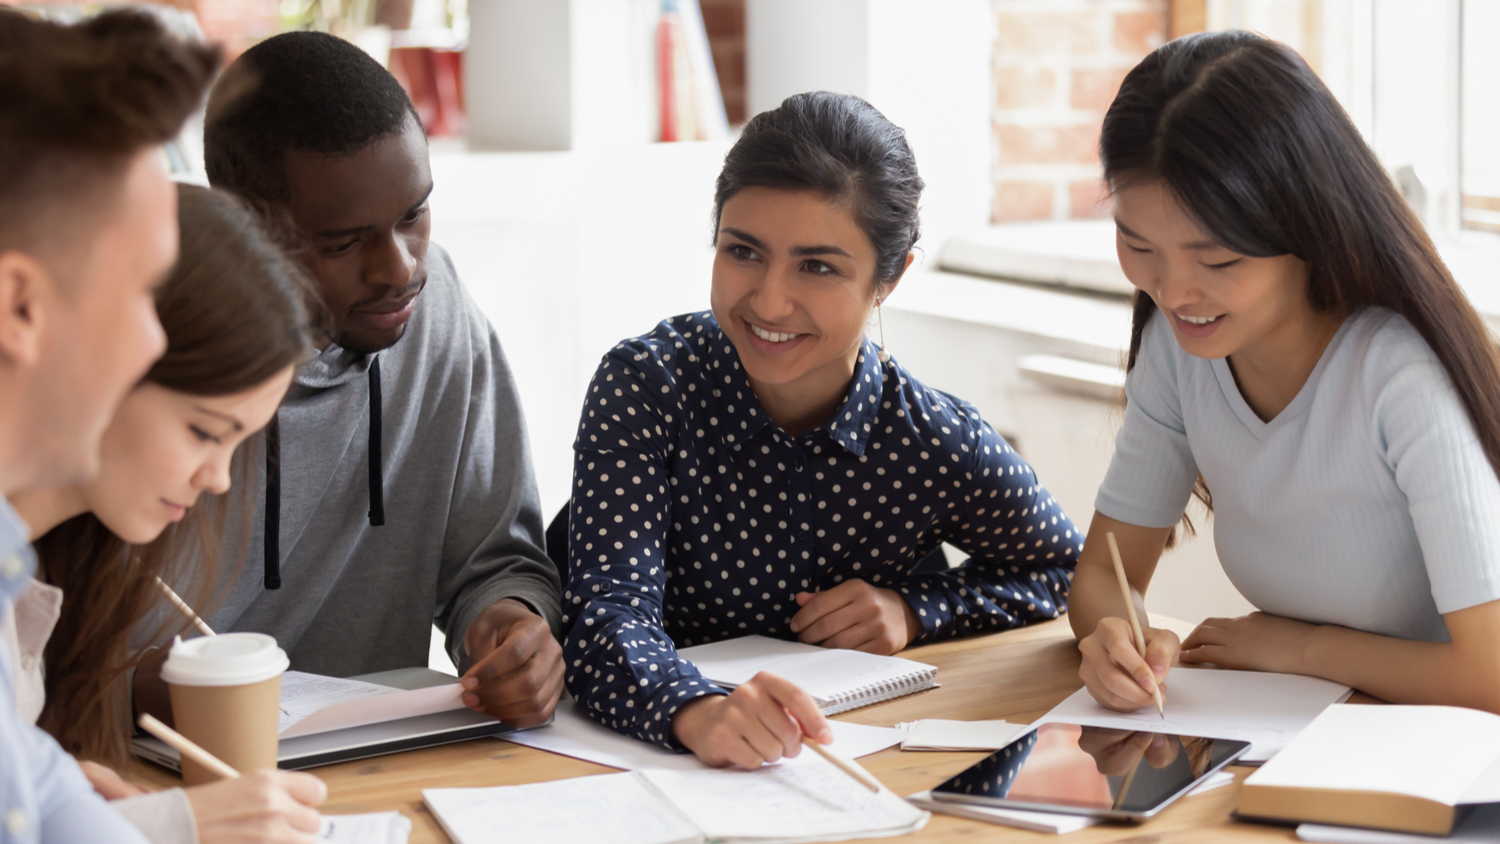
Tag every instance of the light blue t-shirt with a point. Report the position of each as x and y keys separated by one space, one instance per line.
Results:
x=44 y=797
x=1367 y=503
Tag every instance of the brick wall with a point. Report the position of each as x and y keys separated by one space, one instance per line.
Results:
x=724 y=20
x=1056 y=66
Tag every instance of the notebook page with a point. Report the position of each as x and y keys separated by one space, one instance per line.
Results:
x=311 y=703
x=376 y=828
x=573 y=733
x=821 y=672
x=938 y=734
x=809 y=801
x=620 y=808
x=1432 y=752
x=1267 y=710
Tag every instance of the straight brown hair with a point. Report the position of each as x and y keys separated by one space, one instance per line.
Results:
x=1254 y=146
x=236 y=311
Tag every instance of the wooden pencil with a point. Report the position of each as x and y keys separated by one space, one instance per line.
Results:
x=1135 y=621
x=851 y=768
x=182 y=744
x=182 y=607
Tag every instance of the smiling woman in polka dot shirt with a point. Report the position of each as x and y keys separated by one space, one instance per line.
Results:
x=760 y=469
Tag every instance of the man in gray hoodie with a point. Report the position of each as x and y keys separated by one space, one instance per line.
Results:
x=404 y=490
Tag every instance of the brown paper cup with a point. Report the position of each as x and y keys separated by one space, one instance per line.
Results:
x=235 y=723
x=226 y=698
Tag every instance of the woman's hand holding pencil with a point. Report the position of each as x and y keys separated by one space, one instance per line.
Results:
x=1124 y=661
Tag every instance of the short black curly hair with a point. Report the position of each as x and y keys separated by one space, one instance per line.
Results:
x=304 y=91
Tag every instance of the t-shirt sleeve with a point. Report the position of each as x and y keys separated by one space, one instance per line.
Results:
x=1452 y=491
x=1152 y=472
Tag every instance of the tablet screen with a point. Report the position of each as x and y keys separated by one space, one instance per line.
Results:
x=1091 y=768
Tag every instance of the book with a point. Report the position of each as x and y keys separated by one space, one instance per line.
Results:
x=778 y=804
x=313 y=704
x=1265 y=709
x=1481 y=826
x=1404 y=768
x=840 y=680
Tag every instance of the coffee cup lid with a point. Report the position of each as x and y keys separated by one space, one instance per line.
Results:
x=229 y=659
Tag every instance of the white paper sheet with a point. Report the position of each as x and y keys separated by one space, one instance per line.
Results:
x=376 y=828
x=801 y=802
x=572 y=733
x=1480 y=827
x=619 y=808
x=937 y=734
x=1437 y=753
x=311 y=703
x=1267 y=710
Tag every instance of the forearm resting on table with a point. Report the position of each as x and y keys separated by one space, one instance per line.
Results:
x=1095 y=593
x=1463 y=672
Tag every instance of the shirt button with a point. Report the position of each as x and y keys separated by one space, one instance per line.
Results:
x=801 y=536
x=798 y=464
x=12 y=568
x=16 y=823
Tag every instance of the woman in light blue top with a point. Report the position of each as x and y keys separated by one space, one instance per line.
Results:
x=1300 y=351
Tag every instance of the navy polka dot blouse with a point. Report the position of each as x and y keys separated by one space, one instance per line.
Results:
x=694 y=518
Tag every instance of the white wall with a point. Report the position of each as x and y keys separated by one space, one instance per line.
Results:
x=924 y=64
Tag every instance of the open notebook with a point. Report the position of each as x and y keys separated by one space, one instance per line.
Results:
x=840 y=680
x=808 y=800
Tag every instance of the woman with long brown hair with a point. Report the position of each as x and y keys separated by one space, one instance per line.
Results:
x=1300 y=351
x=236 y=312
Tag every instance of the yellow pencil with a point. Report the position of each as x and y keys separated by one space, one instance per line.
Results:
x=1135 y=622
x=186 y=747
x=851 y=768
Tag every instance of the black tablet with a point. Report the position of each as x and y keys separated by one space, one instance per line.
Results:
x=1091 y=771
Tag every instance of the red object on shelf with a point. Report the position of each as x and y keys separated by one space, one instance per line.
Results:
x=434 y=81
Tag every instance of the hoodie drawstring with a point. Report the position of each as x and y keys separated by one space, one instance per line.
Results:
x=377 y=481
x=273 y=480
x=273 y=505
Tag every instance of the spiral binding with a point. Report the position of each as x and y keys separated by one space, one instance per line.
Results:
x=907 y=684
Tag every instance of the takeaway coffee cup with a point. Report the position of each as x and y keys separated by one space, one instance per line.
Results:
x=226 y=696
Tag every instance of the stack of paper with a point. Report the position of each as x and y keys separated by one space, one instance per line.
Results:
x=935 y=734
x=1267 y=710
x=312 y=703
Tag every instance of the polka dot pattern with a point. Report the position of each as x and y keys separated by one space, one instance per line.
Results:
x=694 y=518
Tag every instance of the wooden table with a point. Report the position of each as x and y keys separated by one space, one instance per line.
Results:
x=1017 y=675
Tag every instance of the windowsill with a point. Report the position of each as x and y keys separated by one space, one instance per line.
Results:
x=1080 y=255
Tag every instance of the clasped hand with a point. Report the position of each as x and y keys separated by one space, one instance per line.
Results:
x=517 y=670
x=856 y=616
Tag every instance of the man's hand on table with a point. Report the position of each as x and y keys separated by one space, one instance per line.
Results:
x=517 y=670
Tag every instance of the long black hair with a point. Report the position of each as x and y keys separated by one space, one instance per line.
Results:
x=842 y=148
x=1253 y=145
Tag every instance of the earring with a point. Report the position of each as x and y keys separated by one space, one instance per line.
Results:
x=885 y=357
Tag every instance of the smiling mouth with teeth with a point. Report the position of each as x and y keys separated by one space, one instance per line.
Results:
x=772 y=336
x=1197 y=320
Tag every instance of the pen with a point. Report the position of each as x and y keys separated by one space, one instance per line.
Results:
x=851 y=768
x=1135 y=622
x=186 y=747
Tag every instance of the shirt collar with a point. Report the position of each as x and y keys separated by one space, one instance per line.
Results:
x=743 y=416
x=17 y=562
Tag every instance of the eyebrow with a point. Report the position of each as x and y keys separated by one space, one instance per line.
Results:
x=799 y=251
x=1195 y=245
x=238 y=425
x=333 y=233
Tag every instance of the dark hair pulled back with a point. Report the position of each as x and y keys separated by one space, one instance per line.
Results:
x=236 y=311
x=841 y=147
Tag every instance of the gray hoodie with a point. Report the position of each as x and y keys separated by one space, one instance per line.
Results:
x=462 y=524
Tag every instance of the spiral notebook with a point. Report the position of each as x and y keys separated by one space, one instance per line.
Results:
x=839 y=680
